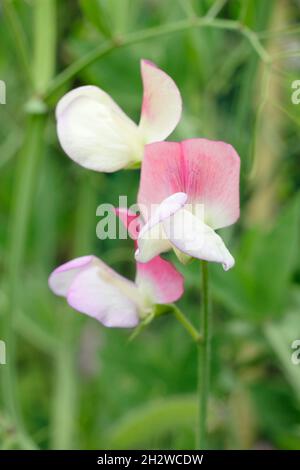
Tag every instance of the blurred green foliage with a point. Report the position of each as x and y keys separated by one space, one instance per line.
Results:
x=76 y=384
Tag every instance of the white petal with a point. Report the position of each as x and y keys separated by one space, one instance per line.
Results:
x=152 y=239
x=194 y=238
x=161 y=108
x=62 y=277
x=168 y=206
x=151 y=243
x=95 y=132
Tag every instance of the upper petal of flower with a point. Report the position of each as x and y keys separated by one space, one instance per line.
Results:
x=91 y=287
x=207 y=171
x=161 y=175
x=161 y=108
x=95 y=132
x=212 y=172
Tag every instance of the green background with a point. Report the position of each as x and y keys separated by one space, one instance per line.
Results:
x=70 y=383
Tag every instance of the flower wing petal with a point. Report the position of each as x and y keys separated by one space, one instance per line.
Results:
x=91 y=287
x=95 y=132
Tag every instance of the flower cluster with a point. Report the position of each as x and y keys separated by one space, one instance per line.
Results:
x=194 y=186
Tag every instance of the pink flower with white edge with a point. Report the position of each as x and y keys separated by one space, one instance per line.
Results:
x=93 y=288
x=195 y=187
x=95 y=132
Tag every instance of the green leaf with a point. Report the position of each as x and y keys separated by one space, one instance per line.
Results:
x=152 y=421
x=258 y=285
x=275 y=260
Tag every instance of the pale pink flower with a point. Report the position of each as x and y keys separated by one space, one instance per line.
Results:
x=195 y=185
x=93 y=288
x=95 y=132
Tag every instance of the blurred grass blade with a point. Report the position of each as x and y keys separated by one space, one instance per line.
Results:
x=18 y=37
x=25 y=185
x=96 y=13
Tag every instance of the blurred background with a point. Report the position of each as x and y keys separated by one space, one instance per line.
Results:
x=68 y=382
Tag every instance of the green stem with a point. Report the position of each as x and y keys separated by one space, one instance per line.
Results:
x=150 y=33
x=203 y=362
x=45 y=33
x=23 y=194
x=64 y=401
x=216 y=8
x=185 y=322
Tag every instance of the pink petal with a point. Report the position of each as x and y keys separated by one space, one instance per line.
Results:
x=91 y=287
x=207 y=171
x=161 y=175
x=161 y=108
x=160 y=278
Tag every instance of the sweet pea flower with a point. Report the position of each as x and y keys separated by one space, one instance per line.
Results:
x=93 y=288
x=95 y=132
x=195 y=188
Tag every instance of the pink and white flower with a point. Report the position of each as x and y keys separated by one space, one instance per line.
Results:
x=93 y=288
x=95 y=132
x=195 y=187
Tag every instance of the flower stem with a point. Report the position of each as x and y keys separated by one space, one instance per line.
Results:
x=187 y=324
x=24 y=193
x=23 y=196
x=203 y=362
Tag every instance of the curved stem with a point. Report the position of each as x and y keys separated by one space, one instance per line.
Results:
x=203 y=362
x=189 y=327
x=151 y=33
